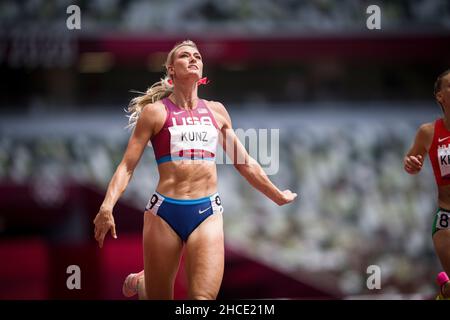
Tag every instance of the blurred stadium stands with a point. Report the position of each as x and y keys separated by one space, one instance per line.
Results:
x=347 y=102
x=230 y=16
x=356 y=208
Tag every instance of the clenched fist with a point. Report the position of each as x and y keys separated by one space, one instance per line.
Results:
x=413 y=164
x=287 y=196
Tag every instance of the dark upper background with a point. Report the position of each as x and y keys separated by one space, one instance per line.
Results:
x=254 y=51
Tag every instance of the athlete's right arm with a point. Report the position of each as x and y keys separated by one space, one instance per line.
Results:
x=413 y=161
x=146 y=126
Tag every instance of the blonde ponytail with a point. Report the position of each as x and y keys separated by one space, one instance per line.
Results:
x=159 y=90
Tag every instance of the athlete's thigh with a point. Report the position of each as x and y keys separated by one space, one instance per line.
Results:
x=162 y=252
x=205 y=258
x=441 y=241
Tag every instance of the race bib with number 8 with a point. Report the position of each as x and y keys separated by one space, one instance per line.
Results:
x=442 y=221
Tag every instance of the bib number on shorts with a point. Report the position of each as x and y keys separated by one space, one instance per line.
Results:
x=442 y=221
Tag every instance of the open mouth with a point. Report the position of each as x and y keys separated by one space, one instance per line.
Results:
x=193 y=67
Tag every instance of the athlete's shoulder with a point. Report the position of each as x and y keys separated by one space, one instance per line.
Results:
x=214 y=104
x=153 y=114
x=217 y=107
x=425 y=134
x=220 y=113
x=156 y=106
x=427 y=128
x=154 y=109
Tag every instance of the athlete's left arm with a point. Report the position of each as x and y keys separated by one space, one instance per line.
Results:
x=248 y=167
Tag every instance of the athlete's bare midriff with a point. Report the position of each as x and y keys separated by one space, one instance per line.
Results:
x=187 y=179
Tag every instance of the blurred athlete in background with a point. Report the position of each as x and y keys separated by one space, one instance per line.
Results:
x=434 y=139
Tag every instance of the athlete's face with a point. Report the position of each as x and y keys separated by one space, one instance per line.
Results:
x=443 y=95
x=187 y=62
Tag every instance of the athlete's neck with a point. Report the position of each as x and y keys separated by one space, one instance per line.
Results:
x=446 y=122
x=185 y=95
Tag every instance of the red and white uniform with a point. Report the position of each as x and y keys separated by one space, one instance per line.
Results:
x=439 y=153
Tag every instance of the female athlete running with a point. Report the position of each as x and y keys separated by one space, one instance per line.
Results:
x=185 y=211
